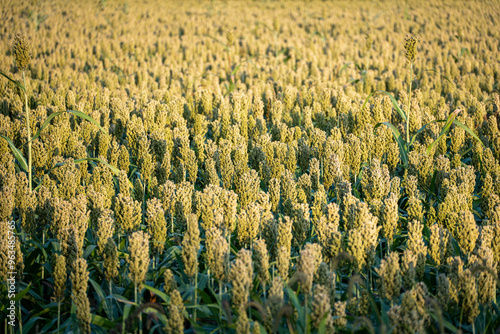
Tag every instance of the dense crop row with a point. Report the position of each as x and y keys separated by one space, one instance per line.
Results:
x=222 y=167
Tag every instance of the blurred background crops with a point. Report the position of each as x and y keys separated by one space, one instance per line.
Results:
x=241 y=186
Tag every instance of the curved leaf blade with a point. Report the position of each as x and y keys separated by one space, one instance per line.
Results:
x=115 y=170
x=468 y=130
x=102 y=298
x=157 y=292
x=420 y=130
x=449 y=121
x=74 y=112
x=17 y=83
x=436 y=71
x=393 y=100
x=86 y=117
x=17 y=154
x=101 y=322
x=399 y=139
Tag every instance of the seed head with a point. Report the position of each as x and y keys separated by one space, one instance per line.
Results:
x=321 y=306
x=21 y=52
x=111 y=261
x=82 y=310
x=411 y=47
x=59 y=276
x=139 y=256
x=79 y=276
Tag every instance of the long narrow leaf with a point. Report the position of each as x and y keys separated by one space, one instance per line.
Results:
x=17 y=83
x=399 y=140
x=102 y=322
x=444 y=131
x=101 y=298
x=86 y=117
x=157 y=292
x=215 y=39
x=17 y=154
x=115 y=170
x=468 y=130
x=422 y=129
x=55 y=114
x=393 y=100
x=21 y=294
x=434 y=70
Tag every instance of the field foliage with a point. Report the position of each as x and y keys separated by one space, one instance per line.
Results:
x=250 y=167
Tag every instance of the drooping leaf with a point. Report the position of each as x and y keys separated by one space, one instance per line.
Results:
x=436 y=71
x=115 y=170
x=444 y=130
x=399 y=139
x=17 y=154
x=74 y=112
x=21 y=294
x=101 y=298
x=157 y=292
x=17 y=83
x=468 y=130
x=420 y=130
x=393 y=100
x=102 y=322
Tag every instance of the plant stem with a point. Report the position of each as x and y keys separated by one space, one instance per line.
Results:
x=306 y=328
x=43 y=268
x=29 y=131
x=408 y=111
x=58 y=315
x=195 y=295
x=220 y=298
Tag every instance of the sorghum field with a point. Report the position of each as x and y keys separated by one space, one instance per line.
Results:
x=249 y=167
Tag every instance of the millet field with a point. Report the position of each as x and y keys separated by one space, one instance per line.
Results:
x=249 y=167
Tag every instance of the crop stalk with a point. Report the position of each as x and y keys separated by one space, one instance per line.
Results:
x=408 y=112
x=29 y=131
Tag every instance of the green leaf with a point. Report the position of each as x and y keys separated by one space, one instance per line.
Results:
x=295 y=301
x=420 y=130
x=444 y=130
x=157 y=292
x=17 y=83
x=74 y=112
x=102 y=298
x=236 y=69
x=17 y=154
x=215 y=39
x=393 y=100
x=21 y=294
x=468 y=130
x=115 y=170
x=399 y=139
x=322 y=325
x=102 y=322
x=29 y=324
x=442 y=75
x=446 y=323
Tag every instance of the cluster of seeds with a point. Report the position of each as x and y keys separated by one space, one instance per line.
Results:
x=237 y=182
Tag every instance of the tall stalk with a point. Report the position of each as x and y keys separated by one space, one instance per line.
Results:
x=408 y=111
x=195 y=295
x=28 y=128
x=58 y=315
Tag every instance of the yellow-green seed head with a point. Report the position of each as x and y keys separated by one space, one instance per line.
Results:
x=59 y=276
x=139 y=256
x=170 y=284
x=82 y=310
x=79 y=276
x=111 y=261
x=411 y=47
x=21 y=52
